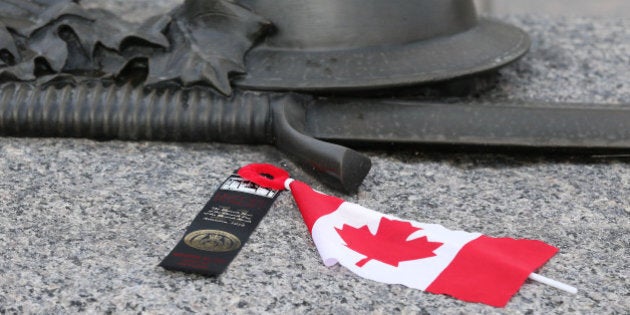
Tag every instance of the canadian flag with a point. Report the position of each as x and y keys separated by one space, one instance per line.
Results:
x=469 y=266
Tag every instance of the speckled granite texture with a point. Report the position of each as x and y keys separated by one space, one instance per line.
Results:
x=84 y=224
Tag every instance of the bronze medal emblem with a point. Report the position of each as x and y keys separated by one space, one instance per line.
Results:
x=212 y=241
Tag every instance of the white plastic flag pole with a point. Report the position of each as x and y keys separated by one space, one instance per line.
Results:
x=554 y=283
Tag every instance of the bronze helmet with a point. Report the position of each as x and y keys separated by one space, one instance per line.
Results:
x=337 y=45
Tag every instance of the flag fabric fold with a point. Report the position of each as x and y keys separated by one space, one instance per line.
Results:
x=380 y=247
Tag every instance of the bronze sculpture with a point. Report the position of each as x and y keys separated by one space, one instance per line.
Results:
x=329 y=45
x=186 y=76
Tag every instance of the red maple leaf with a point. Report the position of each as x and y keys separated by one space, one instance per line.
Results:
x=389 y=245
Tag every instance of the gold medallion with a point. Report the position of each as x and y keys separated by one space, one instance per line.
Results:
x=212 y=241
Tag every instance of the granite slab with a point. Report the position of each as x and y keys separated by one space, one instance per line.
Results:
x=84 y=223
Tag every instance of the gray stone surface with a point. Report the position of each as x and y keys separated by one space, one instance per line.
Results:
x=575 y=8
x=84 y=223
